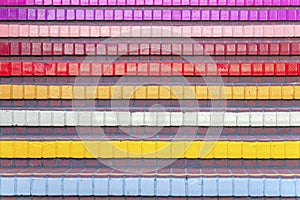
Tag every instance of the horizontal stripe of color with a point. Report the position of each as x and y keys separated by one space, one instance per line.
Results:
x=152 y=186
x=263 y=30
x=142 y=46
x=108 y=14
x=167 y=133
x=246 y=133
x=97 y=134
x=148 y=164
x=149 y=92
x=148 y=104
x=151 y=80
x=151 y=149
x=154 y=58
x=111 y=118
x=149 y=3
x=148 y=69
x=212 y=172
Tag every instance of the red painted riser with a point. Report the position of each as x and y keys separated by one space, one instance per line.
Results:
x=148 y=69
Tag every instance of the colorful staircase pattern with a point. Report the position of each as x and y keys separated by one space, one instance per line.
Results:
x=114 y=99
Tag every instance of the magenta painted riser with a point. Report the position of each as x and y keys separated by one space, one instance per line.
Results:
x=152 y=2
x=148 y=14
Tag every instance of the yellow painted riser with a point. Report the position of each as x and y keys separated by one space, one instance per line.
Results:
x=150 y=149
x=148 y=92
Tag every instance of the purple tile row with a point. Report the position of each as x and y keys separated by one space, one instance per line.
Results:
x=139 y=104
x=182 y=172
x=149 y=14
x=152 y=2
x=148 y=80
x=180 y=136
x=144 y=132
x=177 y=164
x=115 y=108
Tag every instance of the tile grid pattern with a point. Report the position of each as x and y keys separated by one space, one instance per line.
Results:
x=267 y=146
